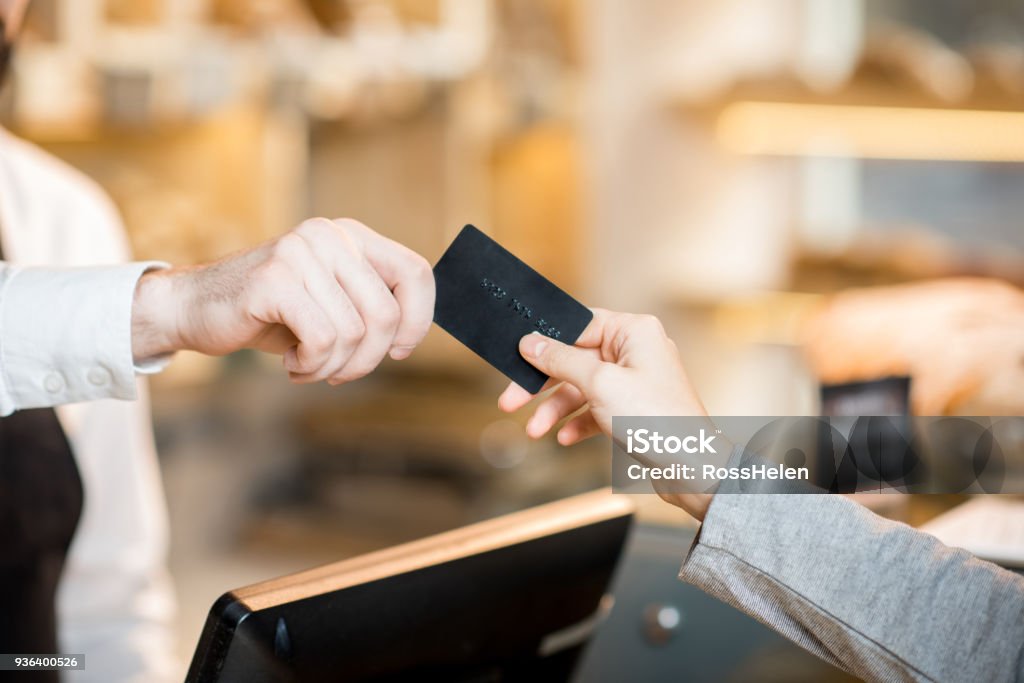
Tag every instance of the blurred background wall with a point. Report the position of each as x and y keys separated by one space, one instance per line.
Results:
x=722 y=164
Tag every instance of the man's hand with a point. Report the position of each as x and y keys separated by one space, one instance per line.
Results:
x=621 y=365
x=331 y=295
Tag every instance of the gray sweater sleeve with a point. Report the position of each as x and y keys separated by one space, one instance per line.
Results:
x=874 y=597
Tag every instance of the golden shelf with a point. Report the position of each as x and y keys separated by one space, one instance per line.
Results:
x=867 y=119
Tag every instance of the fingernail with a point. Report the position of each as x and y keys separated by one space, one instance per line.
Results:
x=290 y=360
x=533 y=345
x=400 y=352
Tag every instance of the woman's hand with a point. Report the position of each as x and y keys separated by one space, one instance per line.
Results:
x=622 y=365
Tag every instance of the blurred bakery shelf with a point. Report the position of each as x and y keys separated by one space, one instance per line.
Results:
x=150 y=65
x=867 y=118
x=871 y=259
x=875 y=258
x=860 y=91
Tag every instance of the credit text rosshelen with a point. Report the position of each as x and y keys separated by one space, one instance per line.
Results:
x=645 y=441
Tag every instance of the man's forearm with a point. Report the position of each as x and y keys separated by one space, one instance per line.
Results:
x=332 y=296
x=65 y=334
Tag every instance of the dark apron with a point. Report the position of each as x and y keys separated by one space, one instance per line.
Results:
x=40 y=503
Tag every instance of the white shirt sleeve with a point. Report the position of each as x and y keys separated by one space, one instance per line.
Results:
x=65 y=334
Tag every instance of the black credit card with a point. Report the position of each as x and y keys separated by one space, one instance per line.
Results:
x=488 y=299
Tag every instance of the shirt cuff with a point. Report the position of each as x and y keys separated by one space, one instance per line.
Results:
x=65 y=335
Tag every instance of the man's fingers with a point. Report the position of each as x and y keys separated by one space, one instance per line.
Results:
x=340 y=256
x=562 y=403
x=411 y=281
x=316 y=335
x=567 y=363
x=348 y=328
x=276 y=339
x=325 y=290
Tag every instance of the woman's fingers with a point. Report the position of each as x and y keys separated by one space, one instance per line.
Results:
x=560 y=361
x=579 y=428
x=515 y=397
x=563 y=402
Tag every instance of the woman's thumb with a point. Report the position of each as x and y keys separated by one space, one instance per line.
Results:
x=561 y=361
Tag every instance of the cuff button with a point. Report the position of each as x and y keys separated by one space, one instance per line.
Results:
x=98 y=377
x=53 y=383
